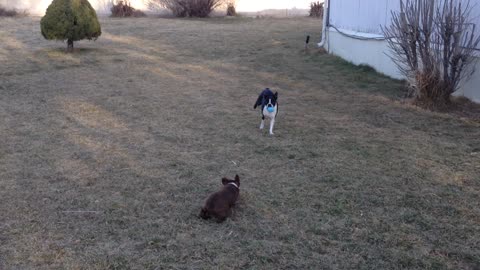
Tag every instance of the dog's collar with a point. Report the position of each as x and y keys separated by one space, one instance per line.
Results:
x=235 y=185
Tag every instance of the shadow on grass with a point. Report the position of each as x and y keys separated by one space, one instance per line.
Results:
x=77 y=51
x=362 y=78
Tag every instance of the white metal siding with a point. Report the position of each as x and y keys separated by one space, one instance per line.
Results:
x=362 y=15
x=364 y=18
x=368 y=16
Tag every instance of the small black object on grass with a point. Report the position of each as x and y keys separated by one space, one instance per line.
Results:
x=306 y=42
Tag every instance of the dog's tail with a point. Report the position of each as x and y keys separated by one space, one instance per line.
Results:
x=204 y=214
x=258 y=102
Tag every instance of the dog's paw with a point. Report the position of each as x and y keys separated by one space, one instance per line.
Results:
x=271 y=133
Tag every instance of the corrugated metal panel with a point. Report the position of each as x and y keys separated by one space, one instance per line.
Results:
x=368 y=15
x=475 y=13
x=362 y=15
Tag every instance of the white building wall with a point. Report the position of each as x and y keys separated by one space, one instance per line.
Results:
x=363 y=19
x=368 y=52
x=471 y=87
x=362 y=15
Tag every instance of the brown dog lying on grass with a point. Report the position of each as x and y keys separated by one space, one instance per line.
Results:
x=219 y=204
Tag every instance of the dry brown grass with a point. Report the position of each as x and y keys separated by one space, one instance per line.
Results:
x=107 y=154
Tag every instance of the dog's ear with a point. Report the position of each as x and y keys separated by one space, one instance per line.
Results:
x=224 y=181
x=237 y=180
x=276 y=95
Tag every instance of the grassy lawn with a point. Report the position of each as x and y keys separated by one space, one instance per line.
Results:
x=107 y=154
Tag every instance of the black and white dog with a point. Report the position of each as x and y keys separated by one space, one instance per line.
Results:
x=269 y=105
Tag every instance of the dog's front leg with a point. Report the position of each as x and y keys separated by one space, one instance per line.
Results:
x=262 y=124
x=272 y=122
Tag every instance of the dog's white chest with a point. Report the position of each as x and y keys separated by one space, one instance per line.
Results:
x=268 y=114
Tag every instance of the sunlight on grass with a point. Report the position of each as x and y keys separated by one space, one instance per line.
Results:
x=109 y=150
x=164 y=72
x=9 y=44
x=59 y=55
x=76 y=170
x=13 y=44
x=123 y=39
x=93 y=116
x=3 y=54
x=443 y=174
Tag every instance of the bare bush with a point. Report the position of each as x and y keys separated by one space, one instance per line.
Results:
x=11 y=12
x=231 y=9
x=432 y=44
x=189 y=8
x=124 y=9
x=316 y=9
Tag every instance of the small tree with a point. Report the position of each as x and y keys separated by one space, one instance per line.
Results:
x=70 y=20
x=432 y=44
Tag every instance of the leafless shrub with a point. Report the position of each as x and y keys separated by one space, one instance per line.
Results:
x=124 y=9
x=11 y=12
x=189 y=8
x=316 y=9
x=231 y=9
x=432 y=44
